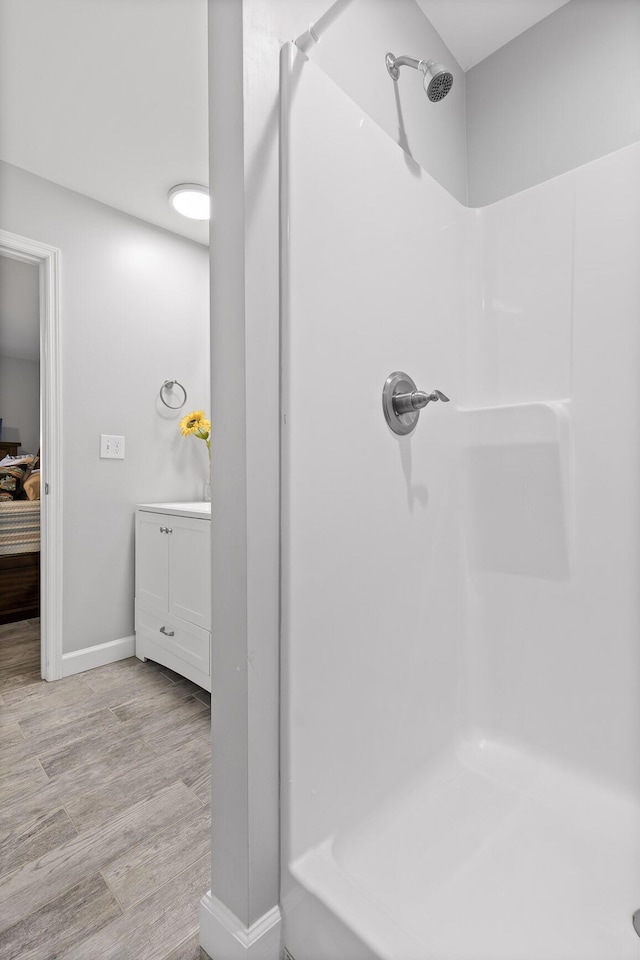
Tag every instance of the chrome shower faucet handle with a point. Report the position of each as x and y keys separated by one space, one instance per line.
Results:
x=402 y=402
x=406 y=402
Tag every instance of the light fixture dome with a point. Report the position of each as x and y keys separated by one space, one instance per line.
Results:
x=191 y=200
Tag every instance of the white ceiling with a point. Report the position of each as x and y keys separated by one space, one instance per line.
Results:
x=19 y=310
x=109 y=97
x=474 y=29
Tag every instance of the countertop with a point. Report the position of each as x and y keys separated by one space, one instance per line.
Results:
x=200 y=510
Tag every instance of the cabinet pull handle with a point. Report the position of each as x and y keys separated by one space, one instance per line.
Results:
x=167 y=633
x=168 y=529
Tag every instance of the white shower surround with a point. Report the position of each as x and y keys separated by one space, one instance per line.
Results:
x=460 y=606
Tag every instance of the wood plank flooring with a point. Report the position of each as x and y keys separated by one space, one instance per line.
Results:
x=105 y=805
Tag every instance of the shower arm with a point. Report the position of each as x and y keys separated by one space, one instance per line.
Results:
x=394 y=64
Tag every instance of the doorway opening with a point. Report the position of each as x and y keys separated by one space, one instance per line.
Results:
x=29 y=570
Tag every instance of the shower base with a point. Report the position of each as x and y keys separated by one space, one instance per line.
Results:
x=493 y=855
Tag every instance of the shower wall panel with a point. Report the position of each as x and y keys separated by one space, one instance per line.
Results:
x=518 y=345
x=606 y=401
x=373 y=574
x=552 y=521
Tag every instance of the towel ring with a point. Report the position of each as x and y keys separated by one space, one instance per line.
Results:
x=169 y=385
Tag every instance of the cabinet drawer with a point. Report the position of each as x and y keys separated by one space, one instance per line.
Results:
x=184 y=640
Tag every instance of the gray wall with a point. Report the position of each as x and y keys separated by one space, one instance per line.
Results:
x=134 y=311
x=561 y=94
x=20 y=400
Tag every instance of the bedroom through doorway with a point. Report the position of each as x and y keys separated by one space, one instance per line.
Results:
x=30 y=549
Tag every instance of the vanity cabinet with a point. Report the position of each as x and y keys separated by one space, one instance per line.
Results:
x=173 y=587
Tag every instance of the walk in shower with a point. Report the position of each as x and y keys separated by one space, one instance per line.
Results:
x=461 y=666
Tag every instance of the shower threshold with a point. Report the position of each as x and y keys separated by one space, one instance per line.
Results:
x=493 y=854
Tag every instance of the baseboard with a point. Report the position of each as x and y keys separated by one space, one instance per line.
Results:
x=224 y=937
x=80 y=660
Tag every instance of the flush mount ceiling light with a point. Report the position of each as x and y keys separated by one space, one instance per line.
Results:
x=191 y=200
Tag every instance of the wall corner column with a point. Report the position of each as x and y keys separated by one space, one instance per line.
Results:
x=240 y=916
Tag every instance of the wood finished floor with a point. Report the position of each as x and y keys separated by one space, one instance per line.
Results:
x=105 y=802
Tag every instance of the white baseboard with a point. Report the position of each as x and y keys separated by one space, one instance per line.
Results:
x=224 y=937
x=80 y=660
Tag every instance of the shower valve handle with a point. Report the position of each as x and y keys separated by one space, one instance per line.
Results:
x=408 y=402
x=402 y=402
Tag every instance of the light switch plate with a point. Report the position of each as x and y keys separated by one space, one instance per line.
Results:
x=111 y=448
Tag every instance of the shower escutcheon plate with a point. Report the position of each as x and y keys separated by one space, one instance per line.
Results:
x=402 y=402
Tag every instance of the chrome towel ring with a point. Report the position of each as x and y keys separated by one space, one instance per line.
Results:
x=167 y=387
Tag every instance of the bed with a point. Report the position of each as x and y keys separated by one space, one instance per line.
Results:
x=20 y=549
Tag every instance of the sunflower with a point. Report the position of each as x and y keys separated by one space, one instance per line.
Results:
x=195 y=423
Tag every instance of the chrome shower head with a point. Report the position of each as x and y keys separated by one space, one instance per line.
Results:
x=437 y=79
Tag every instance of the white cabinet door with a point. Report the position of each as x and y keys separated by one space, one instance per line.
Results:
x=190 y=570
x=152 y=559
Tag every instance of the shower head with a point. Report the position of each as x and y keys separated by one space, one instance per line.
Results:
x=437 y=79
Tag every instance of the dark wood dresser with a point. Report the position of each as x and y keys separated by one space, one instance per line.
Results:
x=9 y=448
